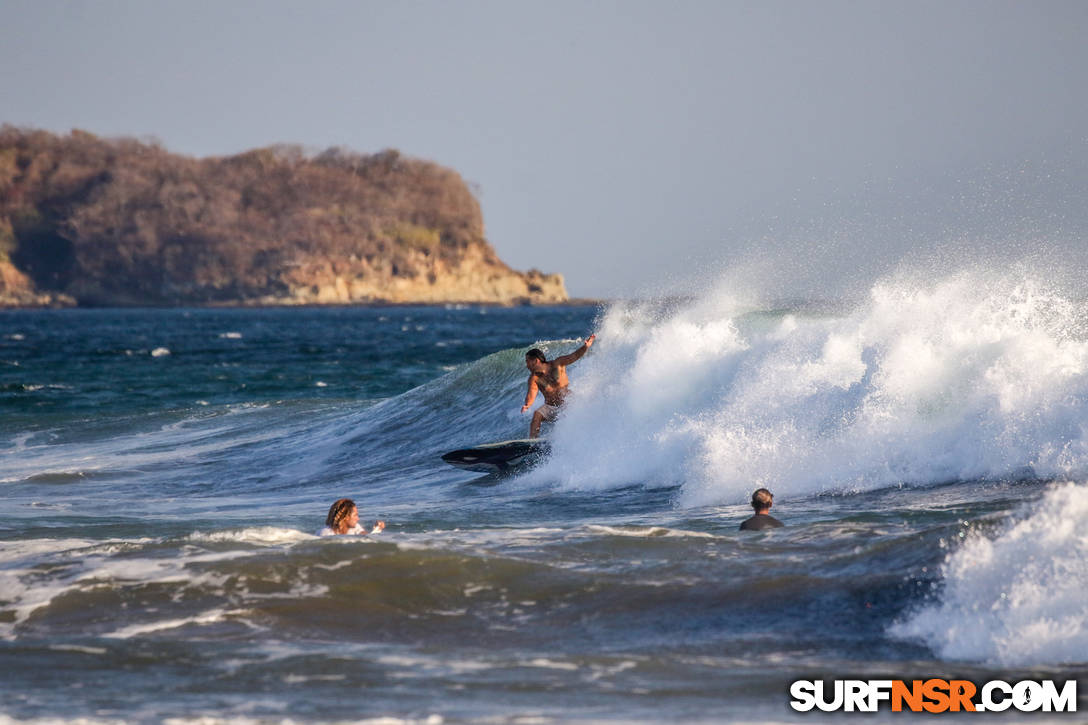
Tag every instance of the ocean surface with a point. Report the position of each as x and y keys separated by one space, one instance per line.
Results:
x=163 y=473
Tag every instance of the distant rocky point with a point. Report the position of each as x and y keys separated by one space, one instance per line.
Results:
x=98 y=222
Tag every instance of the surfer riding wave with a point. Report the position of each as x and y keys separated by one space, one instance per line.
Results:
x=550 y=378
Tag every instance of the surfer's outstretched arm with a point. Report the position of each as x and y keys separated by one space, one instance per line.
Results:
x=530 y=395
x=577 y=354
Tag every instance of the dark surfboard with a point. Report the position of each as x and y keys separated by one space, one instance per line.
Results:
x=500 y=457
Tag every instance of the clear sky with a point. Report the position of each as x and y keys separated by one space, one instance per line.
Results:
x=630 y=145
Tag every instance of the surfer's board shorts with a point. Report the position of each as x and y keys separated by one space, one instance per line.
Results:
x=548 y=412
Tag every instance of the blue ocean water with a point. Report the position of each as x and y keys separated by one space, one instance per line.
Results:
x=163 y=473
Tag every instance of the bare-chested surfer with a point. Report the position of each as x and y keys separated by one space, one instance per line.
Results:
x=550 y=378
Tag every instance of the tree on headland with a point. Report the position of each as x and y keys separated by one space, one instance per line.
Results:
x=113 y=221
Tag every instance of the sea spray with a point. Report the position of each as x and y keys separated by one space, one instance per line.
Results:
x=653 y=368
x=1016 y=599
x=970 y=375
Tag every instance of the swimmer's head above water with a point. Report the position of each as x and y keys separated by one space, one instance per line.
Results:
x=343 y=515
x=762 y=499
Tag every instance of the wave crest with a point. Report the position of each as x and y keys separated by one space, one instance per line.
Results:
x=972 y=375
x=1017 y=599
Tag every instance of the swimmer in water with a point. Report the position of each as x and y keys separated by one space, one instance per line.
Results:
x=343 y=518
x=550 y=378
x=761 y=502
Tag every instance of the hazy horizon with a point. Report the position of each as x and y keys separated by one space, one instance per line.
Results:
x=635 y=147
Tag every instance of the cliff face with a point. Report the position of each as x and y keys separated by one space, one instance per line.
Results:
x=17 y=290
x=95 y=222
x=475 y=276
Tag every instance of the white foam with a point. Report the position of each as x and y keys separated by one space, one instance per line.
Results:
x=160 y=352
x=96 y=651
x=552 y=664
x=414 y=665
x=262 y=535
x=135 y=630
x=1017 y=599
x=970 y=375
x=76 y=565
x=649 y=532
x=23 y=591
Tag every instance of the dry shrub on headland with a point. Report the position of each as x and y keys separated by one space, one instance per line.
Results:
x=126 y=222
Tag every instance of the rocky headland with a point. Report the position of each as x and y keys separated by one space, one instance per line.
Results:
x=121 y=222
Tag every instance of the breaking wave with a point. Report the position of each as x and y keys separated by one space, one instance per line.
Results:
x=973 y=375
x=1016 y=599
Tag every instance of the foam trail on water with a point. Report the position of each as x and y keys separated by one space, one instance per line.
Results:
x=972 y=375
x=1017 y=599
